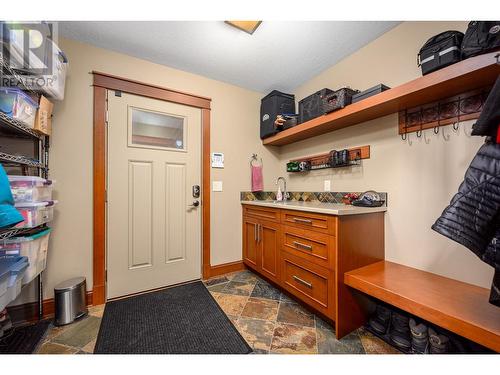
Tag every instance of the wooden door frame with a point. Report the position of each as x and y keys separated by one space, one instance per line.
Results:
x=101 y=83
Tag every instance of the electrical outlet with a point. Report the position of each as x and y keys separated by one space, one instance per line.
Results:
x=327 y=186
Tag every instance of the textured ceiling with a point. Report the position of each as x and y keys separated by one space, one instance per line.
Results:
x=279 y=55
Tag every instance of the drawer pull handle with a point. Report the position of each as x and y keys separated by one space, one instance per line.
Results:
x=305 y=221
x=302 y=245
x=299 y=280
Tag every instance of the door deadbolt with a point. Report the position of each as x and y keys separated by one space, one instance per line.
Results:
x=196 y=191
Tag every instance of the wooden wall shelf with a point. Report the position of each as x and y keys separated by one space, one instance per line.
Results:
x=473 y=73
x=454 y=305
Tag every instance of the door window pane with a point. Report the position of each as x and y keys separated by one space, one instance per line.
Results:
x=153 y=129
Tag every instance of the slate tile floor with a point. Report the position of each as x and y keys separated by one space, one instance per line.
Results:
x=270 y=322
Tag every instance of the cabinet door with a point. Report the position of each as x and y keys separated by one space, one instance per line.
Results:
x=269 y=240
x=250 y=244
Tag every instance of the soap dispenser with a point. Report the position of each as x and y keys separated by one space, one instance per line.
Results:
x=281 y=195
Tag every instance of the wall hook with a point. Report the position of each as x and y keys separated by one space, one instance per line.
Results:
x=419 y=132
x=404 y=136
x=445 y=137
x=436 y=128
x=456 y=124
x=426 y=140
x=468 y=134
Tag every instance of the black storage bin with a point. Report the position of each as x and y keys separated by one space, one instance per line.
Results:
x=338 y=99
x=481 y=37
x=439 y=51
x=273 y=104
x=369 y=92
x=312 y=106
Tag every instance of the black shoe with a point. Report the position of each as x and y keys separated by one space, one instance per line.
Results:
x=5 y=322
x=379 y=321
x=439 y=344
x=419 y=337
x=399 y=332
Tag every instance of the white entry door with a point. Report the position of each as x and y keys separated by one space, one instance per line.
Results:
x=154 y=167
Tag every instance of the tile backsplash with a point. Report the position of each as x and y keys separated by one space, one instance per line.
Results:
x=304 y=196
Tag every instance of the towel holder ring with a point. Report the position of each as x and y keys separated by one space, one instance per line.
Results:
x=255 y=158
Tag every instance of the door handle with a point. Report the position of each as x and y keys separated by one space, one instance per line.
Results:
x=255 y=232
x=195 y=204
x=303 y=282
x=302 y=245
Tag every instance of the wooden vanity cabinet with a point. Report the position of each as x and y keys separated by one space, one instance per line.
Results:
x=262 y=243
x=308 y=253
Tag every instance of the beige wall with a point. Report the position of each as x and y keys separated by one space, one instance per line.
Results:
x=420 y=178
x=234 y=132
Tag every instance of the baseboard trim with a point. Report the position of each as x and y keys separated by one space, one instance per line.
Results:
x=28 y=312
x=224 y=268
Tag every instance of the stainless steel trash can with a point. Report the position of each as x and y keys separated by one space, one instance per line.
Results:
x=70 y=301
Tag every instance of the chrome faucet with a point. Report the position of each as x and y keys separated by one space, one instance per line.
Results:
x=285 y=194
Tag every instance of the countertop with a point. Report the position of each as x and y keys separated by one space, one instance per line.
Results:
x=318 y=207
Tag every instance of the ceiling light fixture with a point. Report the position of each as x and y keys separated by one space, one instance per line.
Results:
x=246 y=26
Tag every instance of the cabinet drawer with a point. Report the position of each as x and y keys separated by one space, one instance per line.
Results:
x=306 y=220
x=313 y=246
x=259 y=212
x=311 y=283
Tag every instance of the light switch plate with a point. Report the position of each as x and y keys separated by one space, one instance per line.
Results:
x=327 y=185
x=216 y=185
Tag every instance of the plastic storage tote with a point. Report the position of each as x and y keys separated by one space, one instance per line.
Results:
x=4 y=284
x=28 y=189
x=35 y=214
x=16 y=267
x=18 y=105
x=34 y=247
x=4 y=278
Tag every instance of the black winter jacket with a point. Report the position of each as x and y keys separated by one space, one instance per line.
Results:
x=488 y=121
x=473 y=216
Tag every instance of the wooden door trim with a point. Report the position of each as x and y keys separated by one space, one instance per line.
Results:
x=103 y=82
x=112 y=82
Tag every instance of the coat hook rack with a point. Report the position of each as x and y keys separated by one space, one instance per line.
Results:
x=450 y=111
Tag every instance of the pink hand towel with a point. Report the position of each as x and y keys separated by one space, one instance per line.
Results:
x=257 y=179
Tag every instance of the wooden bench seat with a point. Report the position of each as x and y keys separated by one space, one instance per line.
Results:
x=454 y=305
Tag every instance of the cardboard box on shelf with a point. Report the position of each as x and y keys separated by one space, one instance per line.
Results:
x=43 y=120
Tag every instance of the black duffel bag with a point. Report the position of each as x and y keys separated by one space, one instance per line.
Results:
x=481 y=37
x=439 y=51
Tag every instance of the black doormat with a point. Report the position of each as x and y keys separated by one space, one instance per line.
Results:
x=23 y=340
x=179 y=320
